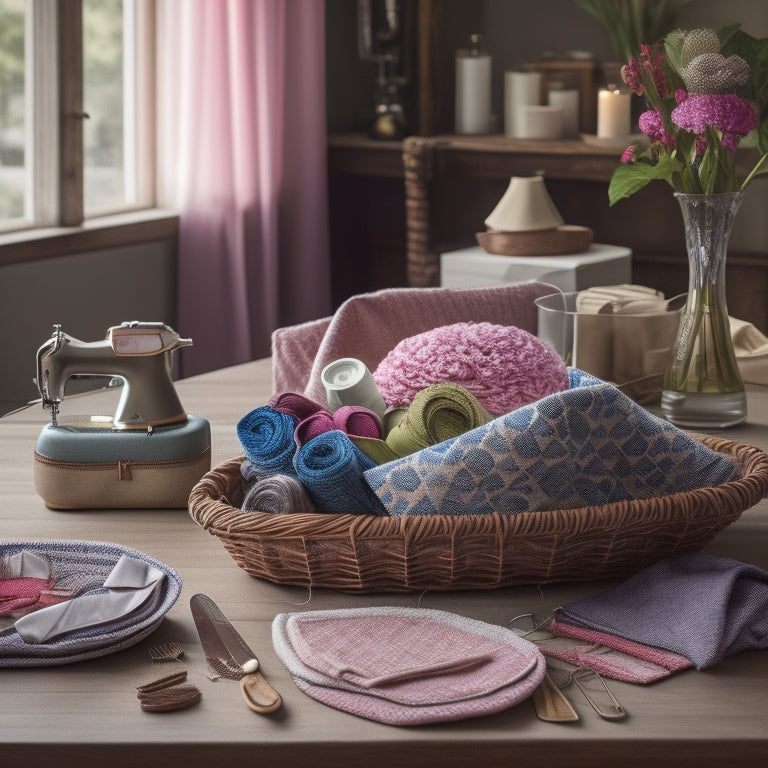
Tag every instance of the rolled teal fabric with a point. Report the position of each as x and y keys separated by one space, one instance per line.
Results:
x=266 y=436
x=331 y=468
x=590 y=445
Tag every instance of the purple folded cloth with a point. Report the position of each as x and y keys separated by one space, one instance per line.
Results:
x=697 y=605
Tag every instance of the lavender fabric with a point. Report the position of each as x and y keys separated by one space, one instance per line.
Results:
x=589 y=445
x=273 y=492
x=697 y=605
x=331 y=468
x=83 y=567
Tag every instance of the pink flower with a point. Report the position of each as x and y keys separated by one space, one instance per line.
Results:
x=645 y=72
x=629 y=154
x=652 y=125
x=727 y=113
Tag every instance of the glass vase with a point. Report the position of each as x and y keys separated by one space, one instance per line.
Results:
x=702 y=385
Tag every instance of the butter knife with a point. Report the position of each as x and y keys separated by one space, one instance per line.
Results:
x=222 y=643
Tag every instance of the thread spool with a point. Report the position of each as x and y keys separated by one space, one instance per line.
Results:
x=349 y=382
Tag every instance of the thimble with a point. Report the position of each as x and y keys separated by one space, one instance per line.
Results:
x=349 y=382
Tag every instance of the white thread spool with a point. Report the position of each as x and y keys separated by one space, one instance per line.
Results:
x=349 y=382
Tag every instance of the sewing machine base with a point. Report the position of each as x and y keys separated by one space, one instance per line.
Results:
x=83 y=467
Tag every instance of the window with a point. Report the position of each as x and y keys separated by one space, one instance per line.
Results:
x=75 y=110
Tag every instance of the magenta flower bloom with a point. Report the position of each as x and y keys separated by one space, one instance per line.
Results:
x=651 y=123
x=728 y=113
x=629 y=154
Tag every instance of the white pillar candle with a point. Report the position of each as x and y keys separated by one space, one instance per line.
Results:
x=521 y=89
x=473 y=92
x=543 y=122
x=568 y=100
x=613 y=113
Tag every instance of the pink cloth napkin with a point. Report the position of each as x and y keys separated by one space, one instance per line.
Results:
x=368 y=326
x=405 y=666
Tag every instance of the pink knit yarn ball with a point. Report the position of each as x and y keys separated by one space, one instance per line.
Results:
x=504 y=367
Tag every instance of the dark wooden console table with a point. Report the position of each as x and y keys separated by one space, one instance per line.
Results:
x=396 y=206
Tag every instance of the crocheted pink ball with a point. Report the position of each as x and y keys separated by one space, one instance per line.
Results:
x=504 y=367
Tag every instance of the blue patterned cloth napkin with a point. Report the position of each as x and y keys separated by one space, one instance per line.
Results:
x=588 y=445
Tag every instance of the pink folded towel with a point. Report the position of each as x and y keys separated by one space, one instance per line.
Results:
x=368 y=326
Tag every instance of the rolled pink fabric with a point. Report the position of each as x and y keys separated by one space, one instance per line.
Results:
x=358 y=421
x=312 y=426
x=294 y=404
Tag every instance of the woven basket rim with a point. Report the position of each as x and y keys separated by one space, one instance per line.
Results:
x=216 y=513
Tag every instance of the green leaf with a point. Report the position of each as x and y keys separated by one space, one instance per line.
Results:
x=629 y=178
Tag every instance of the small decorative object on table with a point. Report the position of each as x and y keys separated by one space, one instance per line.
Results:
x=706 y=91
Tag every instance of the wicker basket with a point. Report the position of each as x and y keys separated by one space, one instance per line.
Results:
x=367 y=553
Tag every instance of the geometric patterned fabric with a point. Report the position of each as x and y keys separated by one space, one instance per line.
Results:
x=588 y=445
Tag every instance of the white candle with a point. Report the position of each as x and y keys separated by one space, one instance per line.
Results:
x=543 y=122
x=568 y=100
x=473 y=93
x=521 y=89
x=613 y=113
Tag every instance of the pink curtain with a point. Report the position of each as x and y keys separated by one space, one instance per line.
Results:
x=242 y=156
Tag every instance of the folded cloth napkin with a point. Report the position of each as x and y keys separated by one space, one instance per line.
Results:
x=273 y=492
x=83 y=567
x=267 y=438
x=503 y=366
x=590 y=445
x=370 y=325
x=406 y=666
x=331 y=468
x=20 y=586
x=27 y=584
x=129 y=584
x=698 y=606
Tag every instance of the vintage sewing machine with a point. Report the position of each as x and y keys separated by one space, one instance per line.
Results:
x=150 y=453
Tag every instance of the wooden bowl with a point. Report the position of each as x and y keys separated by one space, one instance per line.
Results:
x=541 y=242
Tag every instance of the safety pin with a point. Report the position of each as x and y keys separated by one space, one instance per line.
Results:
x=614 y=710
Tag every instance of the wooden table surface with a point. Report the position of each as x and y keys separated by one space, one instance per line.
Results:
x=88 y=714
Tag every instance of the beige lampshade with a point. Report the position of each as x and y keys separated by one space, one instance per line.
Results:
x=525 y=206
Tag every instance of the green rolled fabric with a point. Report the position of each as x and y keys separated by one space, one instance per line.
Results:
x=437 y=413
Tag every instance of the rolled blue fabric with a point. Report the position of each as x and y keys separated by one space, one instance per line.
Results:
x=331 y=467
x=266 y=436
x=589 y=445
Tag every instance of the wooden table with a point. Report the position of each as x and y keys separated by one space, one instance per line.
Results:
x=87 y=713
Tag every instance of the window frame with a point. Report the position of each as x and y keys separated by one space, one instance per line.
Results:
x=58 y=225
